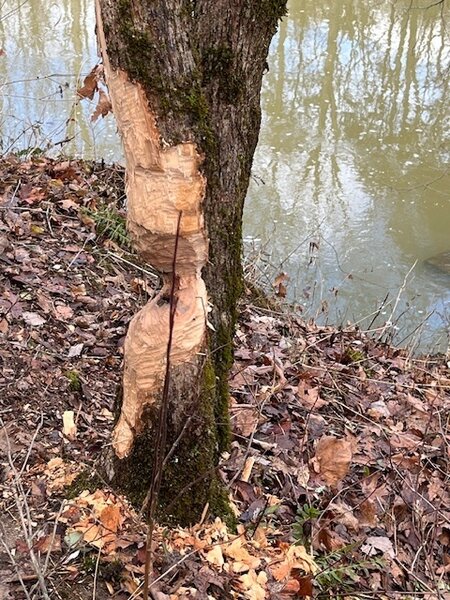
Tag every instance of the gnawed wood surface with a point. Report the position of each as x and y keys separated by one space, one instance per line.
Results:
x=162 y=181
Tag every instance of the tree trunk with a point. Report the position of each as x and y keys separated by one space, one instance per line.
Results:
x=184 y=78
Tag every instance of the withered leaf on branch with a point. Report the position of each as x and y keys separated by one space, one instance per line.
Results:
x=89 y=87
x=103 y=106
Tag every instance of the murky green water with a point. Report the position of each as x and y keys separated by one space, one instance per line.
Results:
x=351 y=184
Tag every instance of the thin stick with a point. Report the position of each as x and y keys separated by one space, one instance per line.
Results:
x=162 y=427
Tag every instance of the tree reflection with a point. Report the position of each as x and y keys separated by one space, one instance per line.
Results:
x=47 y=47
x=355 y=110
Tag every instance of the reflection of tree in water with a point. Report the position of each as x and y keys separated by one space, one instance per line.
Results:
x=355 y=114
x=47 y=46
x=351 y=69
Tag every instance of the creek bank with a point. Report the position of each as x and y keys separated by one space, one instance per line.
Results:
x=340 y=443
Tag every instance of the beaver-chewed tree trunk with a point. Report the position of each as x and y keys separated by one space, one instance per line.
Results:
x=184 y=78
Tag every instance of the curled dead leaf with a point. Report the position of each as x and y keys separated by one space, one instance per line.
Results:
x=280 y=284
x=89 y=87
x=103 y=106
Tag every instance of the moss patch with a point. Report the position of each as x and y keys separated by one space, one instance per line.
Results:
x=74 y=380
x=86 y=480
x=190 y=479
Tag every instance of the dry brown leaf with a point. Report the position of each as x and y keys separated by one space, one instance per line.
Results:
x=280 y=284
x=92 y=534
x=63 y=312
x=406 y=440
x=281 y=571
x=245 y=419
x=48 y=543
x=333 y=458
x=309 y=396
x=89 y=86
x=296 y=558
x=239 y=553
x=103 y=106
x=4 y=326
x=368 y=513
x=60 y=474
x=305 y=586
x=374 y=543
x=33 y=319
x=343 y=513
x=291 y=587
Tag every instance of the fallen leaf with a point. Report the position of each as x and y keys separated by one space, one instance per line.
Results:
x=296 y=558
x=343 y=514
x=239 y=553
x=309 y=396
x=215 y=556
x=245 y=420
x=33 y=319
x=4 y=326
x=368 y=513
x=374 y=543
x=291 y=587
x=254 y=584
x=111 y=517
x=333 y=458
x=48 y=543
x=75 y=350
x=305 y=586
x=63 y=312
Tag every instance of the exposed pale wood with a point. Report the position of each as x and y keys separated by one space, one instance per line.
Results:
x=162 y=181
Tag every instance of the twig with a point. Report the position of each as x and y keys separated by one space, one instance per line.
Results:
x=389 y=323
x=161 y=435
x=97 y=564
x=23 y=509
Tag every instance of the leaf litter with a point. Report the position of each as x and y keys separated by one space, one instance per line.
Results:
x=338 y=473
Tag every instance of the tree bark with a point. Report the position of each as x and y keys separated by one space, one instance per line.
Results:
x=184 y=78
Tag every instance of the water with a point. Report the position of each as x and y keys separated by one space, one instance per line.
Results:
x=351 y=186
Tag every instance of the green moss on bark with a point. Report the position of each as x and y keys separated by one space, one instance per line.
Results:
x=86 y=480
x=190 y=478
